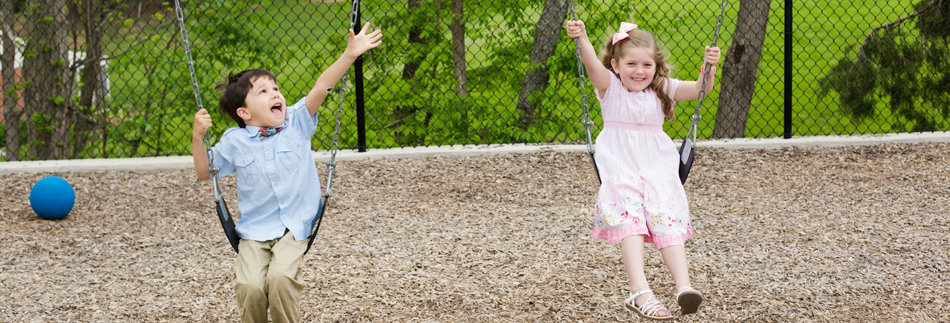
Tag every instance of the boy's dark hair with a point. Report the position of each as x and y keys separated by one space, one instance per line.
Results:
x=235 y=91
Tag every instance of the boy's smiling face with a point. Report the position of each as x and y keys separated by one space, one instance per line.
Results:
x=636 y=68
x=264 y=105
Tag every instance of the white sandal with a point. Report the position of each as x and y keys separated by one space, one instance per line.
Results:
x=648 y=309
x=688 y=300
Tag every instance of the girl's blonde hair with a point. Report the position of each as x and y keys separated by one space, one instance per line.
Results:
x=642 y=39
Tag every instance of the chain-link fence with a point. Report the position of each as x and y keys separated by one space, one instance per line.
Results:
x=107 y=78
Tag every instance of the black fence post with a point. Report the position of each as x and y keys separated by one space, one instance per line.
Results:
x=360 y=111
x=788 y=69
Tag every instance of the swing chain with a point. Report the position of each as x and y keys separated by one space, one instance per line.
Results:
x=194 y=84
x=588 y=123
x=184 y=39
x=697 y=115
x=338 y=114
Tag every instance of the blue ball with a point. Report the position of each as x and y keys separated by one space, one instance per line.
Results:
x=52 y=198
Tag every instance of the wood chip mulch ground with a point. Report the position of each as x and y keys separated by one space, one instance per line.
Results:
x=859 y=233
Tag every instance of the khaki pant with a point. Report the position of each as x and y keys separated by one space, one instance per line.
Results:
x=269 y=277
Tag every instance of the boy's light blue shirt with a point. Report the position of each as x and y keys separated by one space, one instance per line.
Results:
x=277 y=181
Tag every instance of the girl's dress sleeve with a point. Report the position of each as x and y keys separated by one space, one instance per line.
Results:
x=611 y=86
x=671 y=85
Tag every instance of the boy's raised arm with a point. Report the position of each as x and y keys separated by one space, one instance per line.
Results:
x=356 y=46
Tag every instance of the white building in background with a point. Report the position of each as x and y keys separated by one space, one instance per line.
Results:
x=19 y=44
x=72 y=56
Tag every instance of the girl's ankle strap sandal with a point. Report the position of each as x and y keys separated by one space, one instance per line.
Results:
x=688 y=300
x=650 y=308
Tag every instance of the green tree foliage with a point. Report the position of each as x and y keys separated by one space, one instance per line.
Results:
x=414 y=97
x=155 y=117
x=411 y=82
x=150 y=107
x=906 y=67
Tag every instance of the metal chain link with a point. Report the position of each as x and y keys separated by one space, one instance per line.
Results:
x=206 y=139
x=194 y=83
x=588 y=124
x=184 y=39
x=581 y=72
x=697 y=114
x=334 y=146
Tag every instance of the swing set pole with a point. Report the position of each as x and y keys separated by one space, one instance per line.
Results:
x=338 y=117
x=358 y=80
x=788 y=69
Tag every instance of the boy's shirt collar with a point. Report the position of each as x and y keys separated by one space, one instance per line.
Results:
x=252 y=131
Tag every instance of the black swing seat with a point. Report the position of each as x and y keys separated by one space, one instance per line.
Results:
x=227 y=223
x=687 y=154
x=230 y=230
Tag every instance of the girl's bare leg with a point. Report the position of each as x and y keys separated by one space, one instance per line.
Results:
x=631 y=252
x=676 y=263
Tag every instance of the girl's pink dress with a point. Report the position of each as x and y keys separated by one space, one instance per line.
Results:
x=638 y=163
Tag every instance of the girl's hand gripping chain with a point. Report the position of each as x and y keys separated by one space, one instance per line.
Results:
x=576 y=28
x=711 y=57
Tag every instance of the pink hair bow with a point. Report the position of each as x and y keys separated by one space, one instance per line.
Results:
x=622 y=34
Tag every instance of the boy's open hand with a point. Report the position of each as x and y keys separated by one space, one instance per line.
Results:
x=202 y=123
x=576 y=28
x=362 y=42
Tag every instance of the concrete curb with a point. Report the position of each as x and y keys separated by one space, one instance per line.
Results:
x=185 y=162
x=828 y=141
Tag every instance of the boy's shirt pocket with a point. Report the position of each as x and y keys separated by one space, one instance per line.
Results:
x=287 y=153
x=248 y=171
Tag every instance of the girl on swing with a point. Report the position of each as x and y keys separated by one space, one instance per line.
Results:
x=641 y=199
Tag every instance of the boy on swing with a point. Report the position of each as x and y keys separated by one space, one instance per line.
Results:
x=278 y=187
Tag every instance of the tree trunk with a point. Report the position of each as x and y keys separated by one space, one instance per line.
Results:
x=92 y=71
x=11 y=113
x=546 y=34
x=739 y=69
x=415 y=37
x=458 y=46
x=46 y=69
x=91 y=77
x=458 y=55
